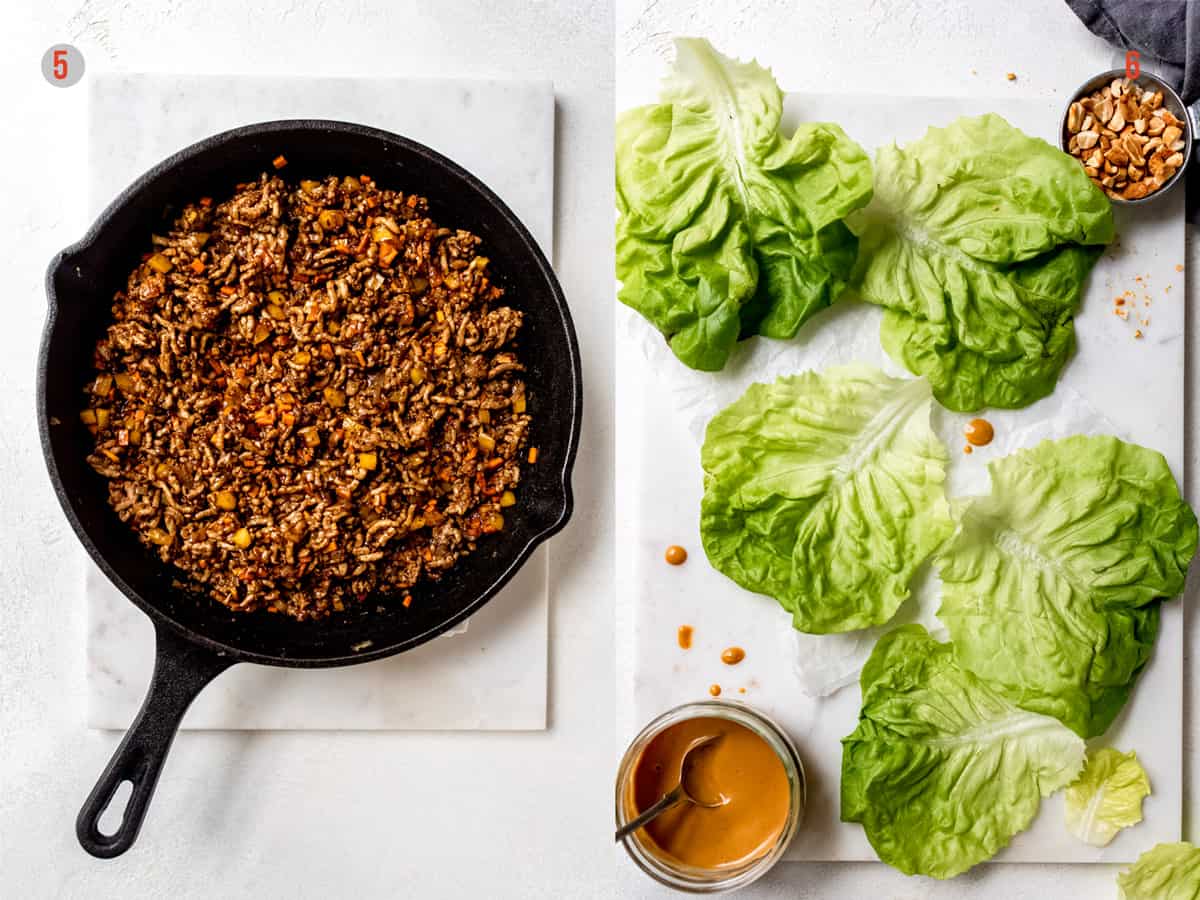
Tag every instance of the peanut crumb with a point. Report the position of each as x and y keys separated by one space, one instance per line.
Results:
x=1011 y=76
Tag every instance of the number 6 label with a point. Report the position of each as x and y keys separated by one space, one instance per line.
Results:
x=1133 y=65
x=62 y=65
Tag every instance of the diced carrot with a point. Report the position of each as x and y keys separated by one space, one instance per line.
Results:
x=197 y=266
x=279 y=162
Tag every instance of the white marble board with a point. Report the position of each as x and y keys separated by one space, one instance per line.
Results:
x=493 y=675
x=1136 y=384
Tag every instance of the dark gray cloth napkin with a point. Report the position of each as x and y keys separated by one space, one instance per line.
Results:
x=1166 y=33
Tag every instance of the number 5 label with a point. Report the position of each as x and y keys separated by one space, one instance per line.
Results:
x=62 y=65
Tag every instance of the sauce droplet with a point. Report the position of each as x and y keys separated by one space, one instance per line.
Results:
x=968 y=449
x=979 y=432
x=731 y=656
x=675 y=555
x=741 y=690
x=715 y=690
x=685 y=637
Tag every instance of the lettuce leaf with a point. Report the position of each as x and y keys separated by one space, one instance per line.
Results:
x=825 y=491
x=1051 y=586
x=727 y=227
x=1165 y=872
x=1107 y=796
x=974 y=244
x=942 y=770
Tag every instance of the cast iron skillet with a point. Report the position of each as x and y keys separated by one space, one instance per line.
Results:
x=197 y=638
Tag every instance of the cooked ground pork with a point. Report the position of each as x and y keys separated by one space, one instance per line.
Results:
x=309 y=394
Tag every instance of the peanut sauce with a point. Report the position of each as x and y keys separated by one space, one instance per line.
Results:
x=740 y=767
x=675 y=555
x=684 y=636
x=715 y=690
x=979 y=432
x=731 y=656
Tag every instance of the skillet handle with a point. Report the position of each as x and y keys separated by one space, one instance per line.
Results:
x=181 y=670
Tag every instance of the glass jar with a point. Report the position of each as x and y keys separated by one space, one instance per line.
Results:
x=673 y=872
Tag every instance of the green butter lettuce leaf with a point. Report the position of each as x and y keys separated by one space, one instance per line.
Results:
x=826 y=491
x=1051 y=586
x=975 y=246
x=942 y=770
x=727 y=227
x=1165 y=872
x=1107 y=796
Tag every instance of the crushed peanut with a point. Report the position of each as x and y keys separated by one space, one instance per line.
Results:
x=1127 y=142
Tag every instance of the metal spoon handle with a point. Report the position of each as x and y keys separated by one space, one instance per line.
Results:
x=669 y=799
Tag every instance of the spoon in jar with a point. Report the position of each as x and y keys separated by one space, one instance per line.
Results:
x=682 y=792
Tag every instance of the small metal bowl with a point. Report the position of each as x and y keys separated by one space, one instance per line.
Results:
x=1171 y=102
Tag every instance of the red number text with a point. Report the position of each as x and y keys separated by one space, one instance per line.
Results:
x=1133 y=65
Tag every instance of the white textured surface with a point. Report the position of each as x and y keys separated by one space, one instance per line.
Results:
x=491 y=676
x=669 y=485
x=312 y=814
x=911 y=48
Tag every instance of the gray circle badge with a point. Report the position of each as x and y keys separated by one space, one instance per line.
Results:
x=62 y=65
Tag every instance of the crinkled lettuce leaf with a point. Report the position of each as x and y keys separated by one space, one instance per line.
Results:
x=1107 y=796
x=942 y=770
x=1165 y=872
x=826 y=492
x=1051 y=586
x=977 y=244
x=727 y=227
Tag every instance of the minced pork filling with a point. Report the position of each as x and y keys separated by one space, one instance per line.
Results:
x=309 y=394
